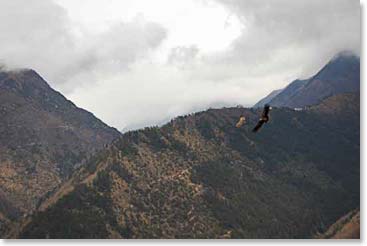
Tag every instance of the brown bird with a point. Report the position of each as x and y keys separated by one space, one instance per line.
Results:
x=241 y=121
x=264 y=118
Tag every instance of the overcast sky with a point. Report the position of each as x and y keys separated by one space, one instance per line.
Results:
x=136 y=63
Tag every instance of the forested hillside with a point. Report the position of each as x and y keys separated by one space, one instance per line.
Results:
x=43 y=139
x=200 y=177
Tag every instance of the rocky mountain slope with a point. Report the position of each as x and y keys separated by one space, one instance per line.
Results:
x=340 y=75
x=200 y=177
x=43 y=138
x=267 y=99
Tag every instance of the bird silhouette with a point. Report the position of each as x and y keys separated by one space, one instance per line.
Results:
x=264 y=118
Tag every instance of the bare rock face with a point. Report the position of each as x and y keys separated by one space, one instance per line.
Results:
x=43 y=138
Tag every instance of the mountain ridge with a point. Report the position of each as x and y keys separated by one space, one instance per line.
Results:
x=340 y=75
x=267 y=99
x=200 y=177
x=44 y=137
x=195 y=177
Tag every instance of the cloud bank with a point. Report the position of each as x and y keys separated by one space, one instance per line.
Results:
x=139 y=63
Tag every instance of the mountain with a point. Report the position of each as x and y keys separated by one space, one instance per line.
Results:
x=340 y=75
x=267 y=99
x=44 y=138
x=201 y=177
x=286 y=96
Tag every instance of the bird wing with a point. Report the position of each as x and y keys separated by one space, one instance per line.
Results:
x=258 y=126
x=241 y=122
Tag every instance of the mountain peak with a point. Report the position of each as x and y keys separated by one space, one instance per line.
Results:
x=44 y=138
x=22 y=81
x=340 y=75
x=344 y=58
x=345 y=54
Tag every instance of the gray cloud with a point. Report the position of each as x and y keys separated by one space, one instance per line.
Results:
x=115 y=73
x=288 y=33
x=35 y=32
x=112 y=51
x=281 y=40
x=42 y=37
x=183 y=55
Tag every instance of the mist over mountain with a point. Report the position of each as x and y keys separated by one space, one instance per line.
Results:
x=66 y=174
x=340 y=75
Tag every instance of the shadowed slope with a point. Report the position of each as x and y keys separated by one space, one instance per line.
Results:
x=43 y=138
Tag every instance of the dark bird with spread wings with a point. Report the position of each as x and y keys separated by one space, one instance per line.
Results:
x=264 y=118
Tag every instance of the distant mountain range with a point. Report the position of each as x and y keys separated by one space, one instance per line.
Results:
x=340 y=75
x=66 y=174
x=43 y=138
